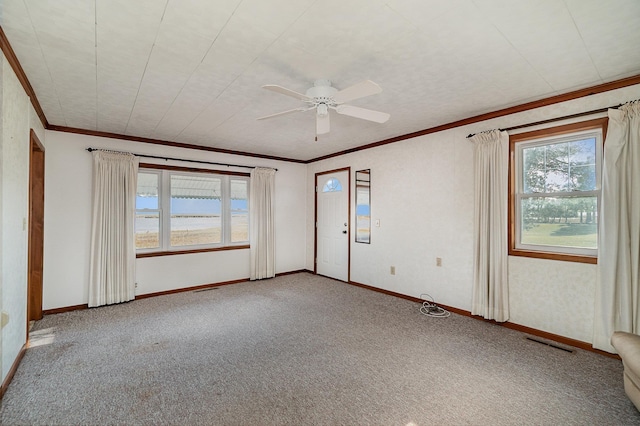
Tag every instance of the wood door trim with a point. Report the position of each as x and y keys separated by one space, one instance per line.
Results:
x=35 y=261
x=315 y=218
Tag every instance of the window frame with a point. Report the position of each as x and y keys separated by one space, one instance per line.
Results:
x=158 y=210
x=515 y=143
x=164 y=201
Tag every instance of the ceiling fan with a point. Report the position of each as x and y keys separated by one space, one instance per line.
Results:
x=323 y=97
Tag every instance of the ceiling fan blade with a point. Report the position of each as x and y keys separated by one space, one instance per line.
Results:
x=285 y=91
x=323 y=124
x=363 y=113
x=357 y=91
x=284 y=113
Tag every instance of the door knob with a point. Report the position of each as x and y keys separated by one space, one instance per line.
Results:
x=344 y=232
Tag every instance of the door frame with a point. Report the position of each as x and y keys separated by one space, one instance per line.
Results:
x=36 y=233
x=315 y=219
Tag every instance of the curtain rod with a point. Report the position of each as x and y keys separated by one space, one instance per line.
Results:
x=551 y=120
x=176 y=159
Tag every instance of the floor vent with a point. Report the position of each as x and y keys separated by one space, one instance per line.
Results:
x=205 y=289
x=551 y=345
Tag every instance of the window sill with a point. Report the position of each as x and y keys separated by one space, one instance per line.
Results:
x=554 y=256
x=205 y=250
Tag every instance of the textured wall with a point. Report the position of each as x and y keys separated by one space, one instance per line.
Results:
x=68 y=223
x=14 y=140
x=422 y=192
x=421 y=196
x=553 y=296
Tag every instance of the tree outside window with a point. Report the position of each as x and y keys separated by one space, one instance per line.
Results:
x=555 y=191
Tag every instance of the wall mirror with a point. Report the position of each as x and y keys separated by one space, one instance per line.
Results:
x=363 y=206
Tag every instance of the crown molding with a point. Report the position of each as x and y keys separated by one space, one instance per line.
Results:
x=6 y=48
x=576 y=94
x=167 y=143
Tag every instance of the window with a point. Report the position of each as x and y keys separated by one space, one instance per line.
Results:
x=555 y=191
x=332 y=185
x=147 y=222
x=196 y=210
x=179 y=210
x=239 y=210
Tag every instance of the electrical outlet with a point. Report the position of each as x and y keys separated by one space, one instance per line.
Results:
x=393 y=270
x=438 y=261
x=136 y=285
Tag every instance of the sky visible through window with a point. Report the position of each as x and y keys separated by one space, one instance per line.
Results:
x=190 y=205
x=362 y=210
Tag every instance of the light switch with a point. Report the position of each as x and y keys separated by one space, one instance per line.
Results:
x=378 y=223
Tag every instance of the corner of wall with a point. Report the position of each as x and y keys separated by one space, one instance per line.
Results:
x=14 y=210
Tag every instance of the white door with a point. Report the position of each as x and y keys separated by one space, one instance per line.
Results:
x=332 y=218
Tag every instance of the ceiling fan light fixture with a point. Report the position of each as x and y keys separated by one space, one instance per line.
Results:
x=323 y=110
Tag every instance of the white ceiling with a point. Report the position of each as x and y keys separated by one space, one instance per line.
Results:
x=191 y=71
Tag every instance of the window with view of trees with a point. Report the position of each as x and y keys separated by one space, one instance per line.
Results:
x=556 y=191
x=183 y=210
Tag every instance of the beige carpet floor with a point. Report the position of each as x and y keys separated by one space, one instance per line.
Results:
x=302 y=349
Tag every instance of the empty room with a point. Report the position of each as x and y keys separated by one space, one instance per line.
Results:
x=392 y=212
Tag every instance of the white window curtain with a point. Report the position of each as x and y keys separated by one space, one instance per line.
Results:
x=491 y=164
x=618 y=284
x=262 y=236
x=113 y=256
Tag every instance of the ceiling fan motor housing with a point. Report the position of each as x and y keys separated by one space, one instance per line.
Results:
x=322 y=93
